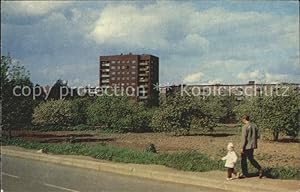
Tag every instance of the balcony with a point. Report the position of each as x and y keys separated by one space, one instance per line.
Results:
x=104 y=75
x=144 y=69
x=105 y=70
x=144 y=86
x=105 y=86
x=143 y=74
x=143 y=97
x=143 y=80
x=105 y=81
x=105 y=64
x=143 y=64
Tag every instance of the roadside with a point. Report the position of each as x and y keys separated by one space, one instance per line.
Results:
x=26 y=175
x=215 y=179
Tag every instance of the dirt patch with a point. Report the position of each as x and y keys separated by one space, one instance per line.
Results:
x=214 y=144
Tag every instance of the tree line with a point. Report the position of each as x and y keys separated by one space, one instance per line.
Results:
x=177 y=114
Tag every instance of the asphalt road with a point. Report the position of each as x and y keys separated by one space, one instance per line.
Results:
x=35 y=176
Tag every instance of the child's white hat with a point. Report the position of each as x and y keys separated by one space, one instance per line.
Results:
x=230 y=146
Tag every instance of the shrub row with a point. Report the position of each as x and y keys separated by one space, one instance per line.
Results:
x=115 y=113
x=187 y=161
x=178 y=115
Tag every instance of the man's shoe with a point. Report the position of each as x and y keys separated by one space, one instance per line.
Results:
x=260 y=174
x=242 y=176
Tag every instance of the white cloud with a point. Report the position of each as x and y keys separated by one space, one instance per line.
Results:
x=32 y=8
x=184 y=31
x=263 y=77
x=156 y=27
x=224 y=44
x=214 y=81
x=275 y=78
x=250 y=75
x=193 y=78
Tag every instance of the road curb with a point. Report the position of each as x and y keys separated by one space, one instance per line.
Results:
x=165 y=174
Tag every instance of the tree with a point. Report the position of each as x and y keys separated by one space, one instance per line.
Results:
x=229 y=102
x=118 y=113
x=59 y=113
x=277 y=113
x=16 y=110
x=181 y=113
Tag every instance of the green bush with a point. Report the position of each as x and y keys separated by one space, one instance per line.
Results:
x=58 y=113
x=181 y=113
x=119 y=113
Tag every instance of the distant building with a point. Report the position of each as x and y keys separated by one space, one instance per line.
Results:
x=136 y=73
x=241 y=91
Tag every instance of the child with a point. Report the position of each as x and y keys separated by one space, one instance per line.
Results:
x=231 y=159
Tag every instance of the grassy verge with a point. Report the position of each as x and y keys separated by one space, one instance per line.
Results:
x=186 y=161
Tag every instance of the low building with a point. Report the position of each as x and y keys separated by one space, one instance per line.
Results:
x=241 y=91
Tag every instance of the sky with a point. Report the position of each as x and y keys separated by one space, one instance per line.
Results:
x=198 y=42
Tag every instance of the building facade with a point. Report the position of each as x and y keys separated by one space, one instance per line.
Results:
x=133 y=75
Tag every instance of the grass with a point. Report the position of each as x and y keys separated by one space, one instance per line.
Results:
x=186 y=161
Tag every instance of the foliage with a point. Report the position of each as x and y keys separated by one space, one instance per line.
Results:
x=213 y=105
x=58 y=113
x=277 y=113
x=187 y=161
x=118 y=113
x=181 y=113
x=228 y=103
x=16 y=110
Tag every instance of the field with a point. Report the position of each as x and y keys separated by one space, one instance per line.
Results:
x=269 y=153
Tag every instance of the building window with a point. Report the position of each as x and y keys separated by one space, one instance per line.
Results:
x=123 y=61
x=133 y=61
x=113 y=73
x=113 y=67
x=127 y=72
x=113 y=61
x=123 y=67
x=133 y=84
x=118 y=78
x=133 y=72
x=127 y=78
x=119 y=72
x=133 y=66
x=133 y=78
x=118 y=61
x=113 y=78
x=123 y=78
x=123 y=72
x=118 y=67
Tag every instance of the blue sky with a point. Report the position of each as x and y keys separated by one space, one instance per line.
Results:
x=198 y=42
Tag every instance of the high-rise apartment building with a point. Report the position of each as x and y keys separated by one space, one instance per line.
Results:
x=136 y=74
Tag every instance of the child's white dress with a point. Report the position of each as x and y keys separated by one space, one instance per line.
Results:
x=231 y=159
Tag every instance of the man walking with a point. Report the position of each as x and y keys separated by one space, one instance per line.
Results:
x=250 y=134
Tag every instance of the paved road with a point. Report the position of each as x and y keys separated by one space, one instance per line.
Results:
x=34 y=176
